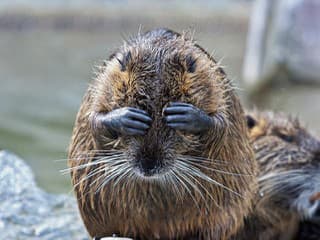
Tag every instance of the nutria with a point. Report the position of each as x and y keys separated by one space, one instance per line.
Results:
x=289 y=161
x=160 y=147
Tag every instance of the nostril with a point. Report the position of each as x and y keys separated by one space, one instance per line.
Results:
x=150 y=158
x=148 y=164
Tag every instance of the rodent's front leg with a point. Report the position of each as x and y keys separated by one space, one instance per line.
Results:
x=186 y=117
x=125 y=121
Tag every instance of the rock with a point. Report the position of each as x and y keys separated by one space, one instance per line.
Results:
x=27 y=212
x=283 y=43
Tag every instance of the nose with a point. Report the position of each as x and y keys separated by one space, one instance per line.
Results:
x=149 y=166
x=150 y=159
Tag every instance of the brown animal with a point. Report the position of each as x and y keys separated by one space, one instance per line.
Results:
x=160 y=147
x=289 y=181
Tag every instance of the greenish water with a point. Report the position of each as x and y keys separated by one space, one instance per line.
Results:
x=44 y=74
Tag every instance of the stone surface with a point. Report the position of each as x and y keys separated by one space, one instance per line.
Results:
x=27 y=212
x=283 y=43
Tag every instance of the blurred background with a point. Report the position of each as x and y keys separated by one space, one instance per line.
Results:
x=48 y=51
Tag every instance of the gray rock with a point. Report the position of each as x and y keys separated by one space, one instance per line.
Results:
x=283 y=43
x=27 y=212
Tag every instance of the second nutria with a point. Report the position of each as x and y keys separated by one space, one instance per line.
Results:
x=160 y=147
x=289 y=161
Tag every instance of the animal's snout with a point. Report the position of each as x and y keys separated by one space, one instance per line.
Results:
x=149 y=163
x=150 y=159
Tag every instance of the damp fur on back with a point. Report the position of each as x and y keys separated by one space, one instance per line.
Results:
x=289 y=162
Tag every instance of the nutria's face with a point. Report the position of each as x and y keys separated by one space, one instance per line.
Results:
x=289 y=159
x=149 y=79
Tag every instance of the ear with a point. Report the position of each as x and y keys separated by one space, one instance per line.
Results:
x=251 y=121
x=123 y=61
x=191 y=64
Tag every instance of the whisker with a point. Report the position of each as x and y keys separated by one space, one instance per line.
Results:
x=109 y=177
x=102 y=169
x=195 y=187
x=273 y=183
x=187 y=189
x=89 y=175
x=119 y=178
x=202 y=159
x=72 y=159
x=203 y=176
x=281 y=176
x=107 y=154
x=107 y=163
x=81 y=158
x=174 y=184
x=117 y=159
x=206 y=190
x=89 y=154
x=214 y=169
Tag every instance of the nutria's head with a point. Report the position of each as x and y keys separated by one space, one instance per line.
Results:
x=289 y=160
x=166 y=183
x=148 y=73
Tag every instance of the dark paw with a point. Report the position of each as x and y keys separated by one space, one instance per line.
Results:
x=186 y=117
x=125 y=121
x=128 y=121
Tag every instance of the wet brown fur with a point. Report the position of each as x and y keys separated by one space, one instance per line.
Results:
x=148 y=72
x=289 y=163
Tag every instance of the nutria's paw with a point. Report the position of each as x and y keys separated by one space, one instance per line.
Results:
x=128 y=121
x=125 y=121
x=186 y=117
